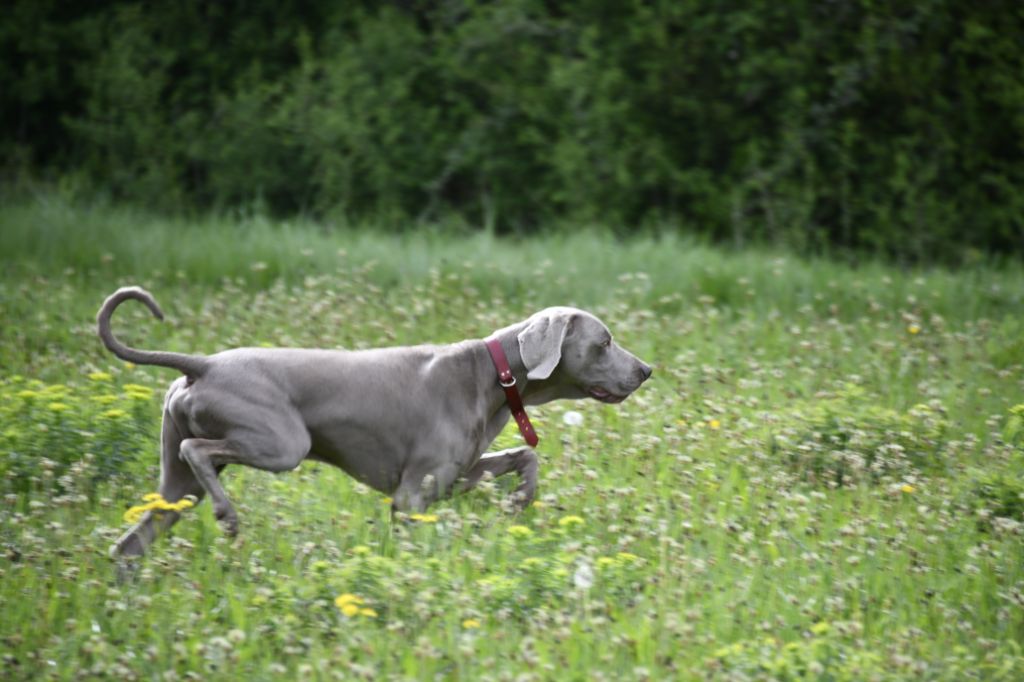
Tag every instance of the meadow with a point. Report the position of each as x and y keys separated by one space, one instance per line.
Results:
x=824 y=478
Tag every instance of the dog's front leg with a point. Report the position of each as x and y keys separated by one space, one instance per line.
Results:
x=422 y=485
x=521 y=460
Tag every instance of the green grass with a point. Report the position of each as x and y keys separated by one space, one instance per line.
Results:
x=807 y=487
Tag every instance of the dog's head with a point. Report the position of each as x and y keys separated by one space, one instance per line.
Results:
x=575 y=355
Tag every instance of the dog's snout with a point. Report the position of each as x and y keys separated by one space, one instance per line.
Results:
x=645 y=371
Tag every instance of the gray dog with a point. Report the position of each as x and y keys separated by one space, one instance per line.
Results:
x=410 y=422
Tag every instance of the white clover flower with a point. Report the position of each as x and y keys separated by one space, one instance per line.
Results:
x=583 y=578
x=572 y=418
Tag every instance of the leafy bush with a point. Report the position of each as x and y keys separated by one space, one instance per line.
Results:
x=998 y=495
x=1014 y=431
x=847 y=439
x=845 y=123
x=56 y=437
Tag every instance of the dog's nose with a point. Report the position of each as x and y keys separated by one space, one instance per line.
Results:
x=645 y=371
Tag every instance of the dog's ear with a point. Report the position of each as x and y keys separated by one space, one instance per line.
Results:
x=540 y=344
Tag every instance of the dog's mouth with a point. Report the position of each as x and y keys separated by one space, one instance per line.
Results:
x=604 y=395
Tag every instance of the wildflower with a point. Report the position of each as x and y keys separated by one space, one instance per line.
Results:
x=471 y=623
x=583 y=578
x=627 y=557
x=57 y=407
x=538 y=504
x=386 y=500
x=520 y=531
x=348 y=598
x=572 y=418
x=27 y=394
x=114 y=414
x=353 y=605
x=424 y=518
x=104 y=399
x=913 y=329
x=730 y=650
x=605 y=562
x=155 y=501
x=531 y=561
x=571 y=520
x=138 y=392
x=360 y=550
x=820 y=628
x=907 y=488
x=100 y=376
x=714 y=424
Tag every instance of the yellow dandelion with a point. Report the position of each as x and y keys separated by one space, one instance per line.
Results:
x=627 y=557
x=348 y=598
x=57 y=407
x=714 y=424
x=353 y=605
x=27 y=394
x=156 y=502
x=538 y=504
x=913 y=329
x=100 y=376
x=907 y=488
x=471 y=624
x=104 y=399
x=520 y=531
x=424 y=518
x=605 y=562
x=138 y=391
x=571 y=520
x=114 y=414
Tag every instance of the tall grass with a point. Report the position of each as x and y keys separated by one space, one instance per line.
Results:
x=49 y=236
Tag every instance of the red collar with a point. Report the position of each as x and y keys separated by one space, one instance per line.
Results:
x=508 y=384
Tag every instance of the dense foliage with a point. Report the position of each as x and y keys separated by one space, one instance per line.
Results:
x=891 y=127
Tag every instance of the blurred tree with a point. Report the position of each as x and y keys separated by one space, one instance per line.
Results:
x=892 y=127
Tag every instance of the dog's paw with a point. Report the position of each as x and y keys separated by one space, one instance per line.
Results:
x=227 y=518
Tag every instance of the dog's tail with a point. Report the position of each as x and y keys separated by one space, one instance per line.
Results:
x=192 y=366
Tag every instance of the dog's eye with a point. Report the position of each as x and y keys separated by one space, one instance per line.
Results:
x=606 y=343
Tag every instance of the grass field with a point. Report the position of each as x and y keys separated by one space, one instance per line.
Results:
x=823 y=479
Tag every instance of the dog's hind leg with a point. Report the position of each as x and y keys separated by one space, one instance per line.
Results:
x=279 y=444
x=176 y=481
